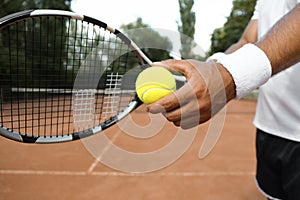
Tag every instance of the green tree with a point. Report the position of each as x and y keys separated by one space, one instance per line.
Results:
x=186 y=27
x=222 y=38
x=9 y=38
x=155 y=46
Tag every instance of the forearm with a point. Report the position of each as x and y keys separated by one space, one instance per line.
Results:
x=249 y=36
x=276 y=51
x=282 y=43
x=235 y=46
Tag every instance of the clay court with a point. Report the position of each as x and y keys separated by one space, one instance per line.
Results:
x=69 y=171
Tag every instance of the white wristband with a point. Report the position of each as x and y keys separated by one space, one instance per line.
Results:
x=249 y=67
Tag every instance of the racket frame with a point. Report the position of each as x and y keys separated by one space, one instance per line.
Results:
x=133 y=104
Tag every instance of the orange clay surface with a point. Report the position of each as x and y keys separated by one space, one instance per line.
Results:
x=69 y=171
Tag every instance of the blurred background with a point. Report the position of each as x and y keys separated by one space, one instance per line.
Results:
x=213 y=24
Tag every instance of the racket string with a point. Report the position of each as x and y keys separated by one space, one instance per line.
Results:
x=112 y=95
x=47 y=55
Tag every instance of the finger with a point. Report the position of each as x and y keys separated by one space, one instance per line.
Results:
x=187 y=123
x=167 y=103
x=175 y=114
x=182 y=66
x=173 y=101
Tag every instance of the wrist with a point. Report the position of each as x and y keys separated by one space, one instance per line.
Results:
x=228 y=82
x=249 y=68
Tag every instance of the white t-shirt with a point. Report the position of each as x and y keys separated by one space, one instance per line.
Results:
x=278 y=106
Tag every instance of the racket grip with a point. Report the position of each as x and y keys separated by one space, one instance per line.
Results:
x=180 y=78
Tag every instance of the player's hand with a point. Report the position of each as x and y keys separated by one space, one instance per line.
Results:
x=209 y=87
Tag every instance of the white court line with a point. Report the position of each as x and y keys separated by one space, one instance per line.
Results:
x=114 y=174
x=42 y=172
x=96 y=161
x=92 y=167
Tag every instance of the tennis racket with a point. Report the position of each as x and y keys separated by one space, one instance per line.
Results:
x=64 y=76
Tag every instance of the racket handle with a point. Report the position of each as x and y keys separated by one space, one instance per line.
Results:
x=180 y=78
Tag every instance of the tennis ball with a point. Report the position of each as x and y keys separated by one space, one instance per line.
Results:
x=154 y=83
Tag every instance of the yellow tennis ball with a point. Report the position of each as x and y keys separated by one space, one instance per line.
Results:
x=154 y=83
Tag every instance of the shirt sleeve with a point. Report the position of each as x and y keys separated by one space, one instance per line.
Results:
x=256 y=13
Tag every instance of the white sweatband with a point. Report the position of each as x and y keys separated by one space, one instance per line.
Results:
x=215 y=56
x=249 y=67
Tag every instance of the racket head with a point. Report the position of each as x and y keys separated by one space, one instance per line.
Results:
x=65 y=76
